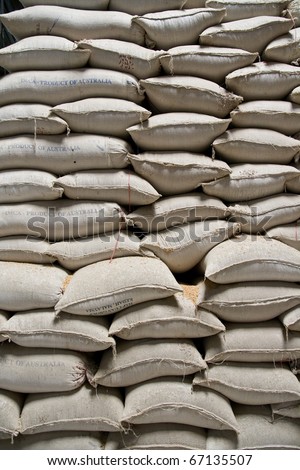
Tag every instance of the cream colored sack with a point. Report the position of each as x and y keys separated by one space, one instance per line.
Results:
x=189 y=94
x=259 y=215
x=110 y=286
x=183 y=247
x=250 y=181
x=85 y=4
x=248 y=302
x=106 y=116
x=43 y=53
x=54 y=87
x=121 y=186
x=31 y=119
x=27 y=286
x=264 y=80
x=251 y=384
x=173 y=173
x=188 y=132
x=65 y=154
x=176 y=210
x=251 y=258
x=75 y=254
x=139 y=360
x=28 y=185
x=122 y=56
x=211 y=63
x=140 y=7
x=86 y=409
x=257 y=431
x=55 y=441
x=167 y=29
x=38 y=370
x=71 y=23
x=280 y=116
x=165 y=436
x=43 y=329
x=251 y=34
x=253 y=145
x=288 y=234
x=24 y=249
x=172 y=400
x=60 y=220
x=237 y=10
x=173 y=317
x=256 y=342
x=10 y=411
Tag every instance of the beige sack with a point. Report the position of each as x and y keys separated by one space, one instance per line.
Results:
x=173 y=173
x=65 y=154
x=53 y=87
x=211 y=63
x=276 y=115
x=264 y=80
x=294 y=96
x=176 y=210
x=182 y=247
x=24 y=249
x=251 y=34
x=75 y=254
x=122 y=56
x=71 y=23
x=65 y=440
x=10 y=411
x=29 y=119
x=251 y=181
x=248 y=302
x=108 y=116
x=172 y=400
x=188 y=132
x=189 y=94
x=288 y=234
x=174 y=317
x=42 y=329
x=293 y=185
x=60 y=220
x=122 y=186
x=284 y=49
x=257 y=431
x=84 y=4
x=166 y=436
x=237 y=10
x=85 y=409
x=251 y=258
x=260 y=215
x=253 y=145
x=256 y=342
x=251 y=384
x=144 y=359
x=4 y=317
x=289 y=409
x=43 y=53
x=28 y=185
x=27 y=286
x=167 y=29
x=38 y=370
x=291 y=319
x=140 y=7
x=110 y=286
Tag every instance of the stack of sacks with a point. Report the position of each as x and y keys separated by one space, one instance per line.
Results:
x=162 y=120
x=53 y=217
